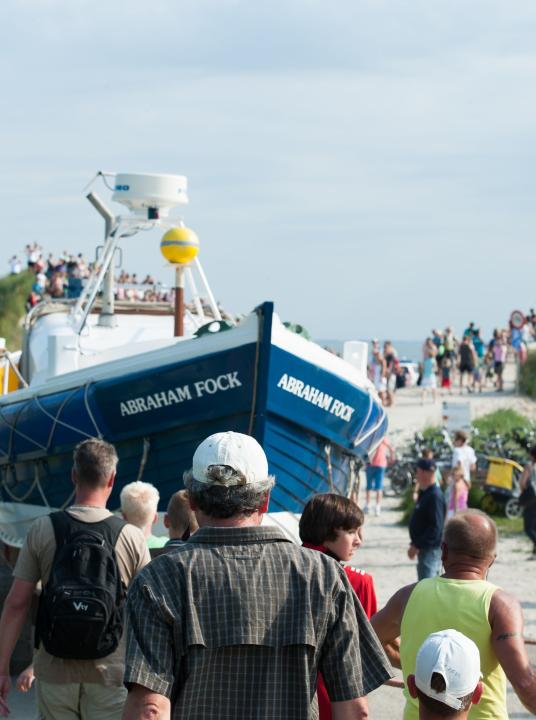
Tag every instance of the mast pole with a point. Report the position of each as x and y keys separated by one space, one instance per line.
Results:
x=106 y=317
x=179 y=300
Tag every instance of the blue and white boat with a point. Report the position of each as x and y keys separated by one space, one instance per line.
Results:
x=121 y=375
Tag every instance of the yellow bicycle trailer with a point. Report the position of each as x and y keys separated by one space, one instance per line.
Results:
x=502 y=487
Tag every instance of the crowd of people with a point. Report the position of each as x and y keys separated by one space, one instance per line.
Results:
x=455 y=485
x=447 y=362
x=469 y=360
x=231 y=619
x=61 y=277
x=66 y=275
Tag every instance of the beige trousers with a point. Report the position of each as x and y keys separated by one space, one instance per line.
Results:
x=79 y=701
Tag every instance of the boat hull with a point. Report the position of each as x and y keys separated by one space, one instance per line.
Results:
x=314 y=425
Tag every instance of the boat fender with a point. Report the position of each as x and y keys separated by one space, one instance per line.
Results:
x=297 y=329
x=215 y=326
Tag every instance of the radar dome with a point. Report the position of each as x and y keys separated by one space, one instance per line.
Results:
x=158 y=194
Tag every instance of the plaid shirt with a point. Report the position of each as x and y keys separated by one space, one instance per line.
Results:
x=236 y=623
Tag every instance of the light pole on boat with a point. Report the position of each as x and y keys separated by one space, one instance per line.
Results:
x=179 y=246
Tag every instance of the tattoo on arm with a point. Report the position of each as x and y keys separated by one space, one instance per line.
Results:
x=505 y=636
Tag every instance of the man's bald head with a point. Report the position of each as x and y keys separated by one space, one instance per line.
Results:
x=471 y=533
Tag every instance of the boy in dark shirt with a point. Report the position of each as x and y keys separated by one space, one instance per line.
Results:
x=427 y=521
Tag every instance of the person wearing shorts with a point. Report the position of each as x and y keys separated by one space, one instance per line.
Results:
x=429 y=369
x=500 y=348
x=467 y=357
x=383 y=456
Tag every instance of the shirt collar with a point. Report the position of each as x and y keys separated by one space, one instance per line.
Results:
x=322 y=549
x=430 y=487
x=237 y=535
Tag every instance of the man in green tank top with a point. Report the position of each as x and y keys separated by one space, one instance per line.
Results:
x=464 y=600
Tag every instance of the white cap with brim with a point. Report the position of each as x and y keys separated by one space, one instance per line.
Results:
x=456 y=658
x=240 y=452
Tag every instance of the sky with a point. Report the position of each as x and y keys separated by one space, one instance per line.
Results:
x=367 y=165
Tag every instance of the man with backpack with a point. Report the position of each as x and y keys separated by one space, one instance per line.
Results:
x=85 y=558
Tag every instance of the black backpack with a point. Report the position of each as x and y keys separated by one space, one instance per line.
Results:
x=80 y=612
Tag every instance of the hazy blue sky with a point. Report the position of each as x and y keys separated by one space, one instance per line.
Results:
x=369 y=166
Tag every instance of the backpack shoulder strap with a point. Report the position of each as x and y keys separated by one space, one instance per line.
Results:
x=111 y=528
x=63 y=524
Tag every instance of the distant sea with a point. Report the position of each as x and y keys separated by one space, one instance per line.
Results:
x=406 y=349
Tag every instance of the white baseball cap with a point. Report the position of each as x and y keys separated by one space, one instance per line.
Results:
x=240 y=452
x=456 y=658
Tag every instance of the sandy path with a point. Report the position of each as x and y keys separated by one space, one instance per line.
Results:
x=408 y=415
x=384 y=551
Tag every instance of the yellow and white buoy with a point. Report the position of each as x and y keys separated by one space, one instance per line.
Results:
x=179 y=246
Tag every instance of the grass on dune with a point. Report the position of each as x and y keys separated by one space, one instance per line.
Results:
x=14 y=290
x=527 y=377
x=502 y=422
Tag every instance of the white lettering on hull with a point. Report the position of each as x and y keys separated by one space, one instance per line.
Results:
x=313 y=395
x=178 y=395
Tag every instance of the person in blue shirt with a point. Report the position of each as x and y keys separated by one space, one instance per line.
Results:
x=480 y=351
x=478 y=344
x=469 y=330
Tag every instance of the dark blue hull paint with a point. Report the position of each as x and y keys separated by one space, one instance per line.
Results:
x=159 y=416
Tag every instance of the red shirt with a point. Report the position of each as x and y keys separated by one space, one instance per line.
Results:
x=363 y=586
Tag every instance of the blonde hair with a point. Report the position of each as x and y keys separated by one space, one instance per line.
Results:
x=456 y=476
x=139 y=502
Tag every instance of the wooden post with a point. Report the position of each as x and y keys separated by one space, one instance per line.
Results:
x=179 y=301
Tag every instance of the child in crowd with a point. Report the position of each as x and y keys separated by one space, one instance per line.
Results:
x=332 y=524
x=139 y=504
x=179 y=520
x=446 y=368
x=458 y=492
x=447 y=678
x=489 y=373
